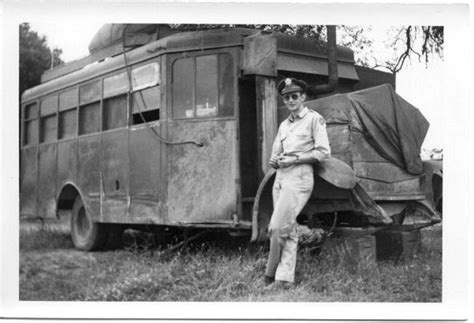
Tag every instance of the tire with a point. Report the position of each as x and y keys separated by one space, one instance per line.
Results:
x=86 y=234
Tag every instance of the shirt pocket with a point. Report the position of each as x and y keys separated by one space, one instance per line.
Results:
x=302 y=140
x=303 y=134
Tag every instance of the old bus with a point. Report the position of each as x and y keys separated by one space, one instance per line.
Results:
x=166 y=128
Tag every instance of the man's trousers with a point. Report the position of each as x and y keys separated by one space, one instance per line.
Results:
x=291 y=192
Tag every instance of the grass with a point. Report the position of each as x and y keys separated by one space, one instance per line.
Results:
x=214 y=269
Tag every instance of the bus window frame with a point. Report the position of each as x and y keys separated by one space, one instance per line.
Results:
x=25 y=120
x=48 y=115
x=69 y=108
x=99 y=80
x=127 y=121
x=132 y=91
x=172 y=58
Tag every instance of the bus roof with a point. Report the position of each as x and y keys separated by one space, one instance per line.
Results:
x=73 y=73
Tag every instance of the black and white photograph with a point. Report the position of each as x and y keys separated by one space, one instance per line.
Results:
x=282 y=161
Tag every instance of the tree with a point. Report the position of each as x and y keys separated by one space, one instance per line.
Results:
x=400 y=43
x=35 y=57
x=421 y=41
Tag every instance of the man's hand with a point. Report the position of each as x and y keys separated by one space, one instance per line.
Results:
x=285 y=161
x=274 y=162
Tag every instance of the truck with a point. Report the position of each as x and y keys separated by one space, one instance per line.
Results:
x=165 y=128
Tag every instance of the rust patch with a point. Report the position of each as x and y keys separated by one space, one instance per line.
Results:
x=202 y=180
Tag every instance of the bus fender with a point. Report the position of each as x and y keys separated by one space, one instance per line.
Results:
x=262 y=207
x=66 y=197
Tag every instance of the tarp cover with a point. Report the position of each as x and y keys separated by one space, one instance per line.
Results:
x=395 y=128
x=392 y=126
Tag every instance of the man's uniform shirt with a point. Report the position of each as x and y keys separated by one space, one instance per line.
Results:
x=303 y=135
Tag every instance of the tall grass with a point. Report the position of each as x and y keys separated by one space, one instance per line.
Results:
x=215 y=269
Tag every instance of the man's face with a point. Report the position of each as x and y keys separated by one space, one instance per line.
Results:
x=294 y=101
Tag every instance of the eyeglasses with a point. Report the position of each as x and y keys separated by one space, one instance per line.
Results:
x=294 y=96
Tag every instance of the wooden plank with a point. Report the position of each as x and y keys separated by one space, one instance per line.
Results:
x=314 y=65
x=267 y=125
x=260 y=54
x=351 y=250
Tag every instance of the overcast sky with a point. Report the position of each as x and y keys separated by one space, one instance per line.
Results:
x=419 y=85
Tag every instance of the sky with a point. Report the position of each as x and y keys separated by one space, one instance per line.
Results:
x=73 y=39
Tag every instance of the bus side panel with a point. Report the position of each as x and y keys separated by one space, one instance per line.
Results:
x=67 y=162
x=89 y=175
x=380 y=178
x=115 y=176
x=28 y=178
x=147 y=190
x=386 y=181
x=47 y=180
x=202 y=180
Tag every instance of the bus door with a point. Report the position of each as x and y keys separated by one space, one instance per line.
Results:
x=202 y=181
x=249 y=172
x=258 y=126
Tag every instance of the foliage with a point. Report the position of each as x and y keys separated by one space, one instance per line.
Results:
x=35 y=57
x=217 y=268
x=421 y=41
x=401 y=42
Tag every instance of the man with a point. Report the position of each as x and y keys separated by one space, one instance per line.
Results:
x=300 y=142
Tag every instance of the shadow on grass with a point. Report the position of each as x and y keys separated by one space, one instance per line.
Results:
x=214 y=267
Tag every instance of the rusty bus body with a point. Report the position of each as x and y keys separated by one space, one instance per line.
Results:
x=94 y=133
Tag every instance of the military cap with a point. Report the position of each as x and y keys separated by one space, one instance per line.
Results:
x=290 y=85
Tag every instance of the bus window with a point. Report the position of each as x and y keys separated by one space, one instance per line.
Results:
x=48 y=121
x=31 y=111
x=89 y=93
x=115 y=85
x=68 y=114
x=30 y=119
x=68 y=99
x=148 y=102
x=115 y=112
x=183 y=85
x=203 y=86
x=89 y=113
x=206 y=86
x=67 y=124
x=226 y=85
x=146 y=96
x=145 y=76
x=89 y=118
x=115 y=101
x=48 y=128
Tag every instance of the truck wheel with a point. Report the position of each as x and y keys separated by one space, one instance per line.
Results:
x=85 y=233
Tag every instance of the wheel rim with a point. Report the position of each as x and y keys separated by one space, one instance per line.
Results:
x=83 y=223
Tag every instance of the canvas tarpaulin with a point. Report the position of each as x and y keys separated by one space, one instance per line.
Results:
x=394 y=127
x=391 y=125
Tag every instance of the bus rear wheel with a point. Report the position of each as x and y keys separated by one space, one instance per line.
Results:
x=86 y=234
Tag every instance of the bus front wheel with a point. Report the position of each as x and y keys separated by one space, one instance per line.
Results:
x=86 y=234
